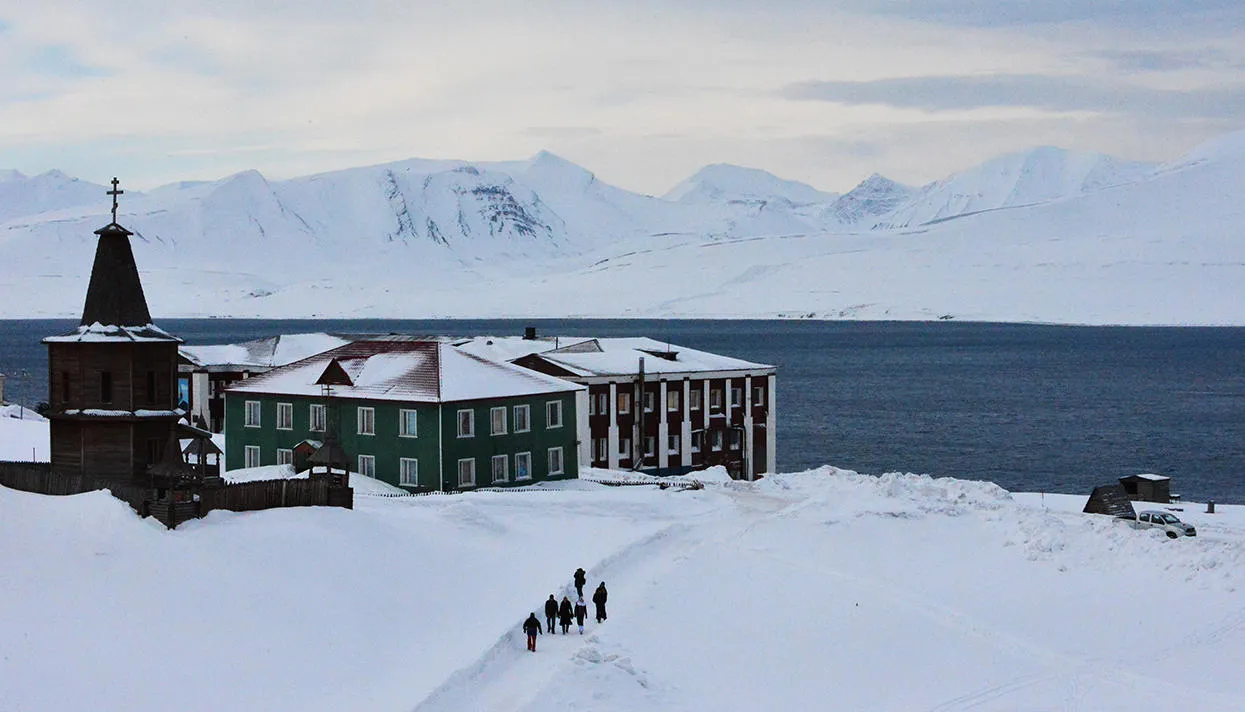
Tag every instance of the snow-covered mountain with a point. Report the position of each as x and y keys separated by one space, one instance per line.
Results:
x=1046 y=235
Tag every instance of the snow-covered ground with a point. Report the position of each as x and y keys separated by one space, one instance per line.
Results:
x=817 y=590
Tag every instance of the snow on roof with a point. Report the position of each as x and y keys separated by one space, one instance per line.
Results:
x=103 y=333
x=1149 y=476
x=269 y=352
x=611 y=356
x=406 y=369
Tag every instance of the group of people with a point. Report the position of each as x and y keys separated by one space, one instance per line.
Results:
x=562 y=613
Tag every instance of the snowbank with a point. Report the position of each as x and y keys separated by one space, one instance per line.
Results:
x=24 y=439
x=360 y=483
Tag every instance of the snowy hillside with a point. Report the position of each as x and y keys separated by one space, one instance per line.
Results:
x=1047 y=235
x=819 y=590
x=22 y=195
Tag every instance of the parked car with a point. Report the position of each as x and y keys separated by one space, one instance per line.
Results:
x=1167 y=522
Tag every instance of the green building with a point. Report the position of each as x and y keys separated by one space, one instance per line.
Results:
x=415 y=413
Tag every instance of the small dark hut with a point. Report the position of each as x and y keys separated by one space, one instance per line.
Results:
x=1111 y=500
x=1147 y=488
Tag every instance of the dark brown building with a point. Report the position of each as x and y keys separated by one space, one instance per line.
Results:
x=112 y=382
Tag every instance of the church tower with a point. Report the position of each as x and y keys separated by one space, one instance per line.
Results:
x=112 y=382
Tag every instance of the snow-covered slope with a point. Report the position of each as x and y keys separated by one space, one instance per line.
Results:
x=29 y=195
x=1046 y=235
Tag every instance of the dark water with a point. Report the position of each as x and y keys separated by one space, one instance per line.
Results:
x=1057 y=409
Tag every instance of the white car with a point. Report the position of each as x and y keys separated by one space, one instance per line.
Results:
x=1167 y=522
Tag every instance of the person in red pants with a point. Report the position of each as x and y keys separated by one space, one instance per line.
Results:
x=531 y=626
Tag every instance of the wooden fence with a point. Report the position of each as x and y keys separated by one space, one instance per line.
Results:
x=268 y=494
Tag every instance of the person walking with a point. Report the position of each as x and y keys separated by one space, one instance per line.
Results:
x=564 y=615
x=531 y=626
x=581 y=612
x=581 y=578
x=599 y=598
x=551 y=611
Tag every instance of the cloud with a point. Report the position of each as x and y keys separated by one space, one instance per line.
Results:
x=561 y=132
x=1050 y=93
x=1148 y=14
x=1140 y=61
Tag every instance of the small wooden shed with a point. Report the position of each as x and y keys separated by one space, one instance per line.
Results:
x=1110 y=499
x=1147 y=488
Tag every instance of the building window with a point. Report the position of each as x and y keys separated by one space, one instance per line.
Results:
x=105 y=387
x=65 y=386
x=715 y=438
x=650 y=401
x=251 y=458
x=697 y=437
x=285 y=417
x=497 y=421
x=650 y=445
x=285 y=456
x=715 y=399
x=553 y=414
x=252 y=414
x=153 y=451
x=737 y=397
x=523 y=465
x=522 y=418
x=501 y=468
x=367 y=466
x=467 y=472
x=672 y=400
x=592 y=405
x=555 y=461
x=693 y=399
x=151 y=387
x=408 y=424
x=624 y=402
x=603 y=403
x=316 y=418
x=672 y=445
x=466 y=424
x=758 y=396
x=624 y=448
x=408 y=471
x=367 y=421
x=736 y=439
x=601 y=449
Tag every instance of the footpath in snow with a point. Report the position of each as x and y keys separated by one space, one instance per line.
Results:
x=817 y=590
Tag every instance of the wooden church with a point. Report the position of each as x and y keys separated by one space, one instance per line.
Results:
x=112 y=382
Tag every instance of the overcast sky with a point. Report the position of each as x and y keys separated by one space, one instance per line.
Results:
x=641 y=92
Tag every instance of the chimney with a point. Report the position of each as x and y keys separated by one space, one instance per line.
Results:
x=529 y=333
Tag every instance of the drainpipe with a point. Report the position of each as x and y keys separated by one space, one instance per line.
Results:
x=637 y=442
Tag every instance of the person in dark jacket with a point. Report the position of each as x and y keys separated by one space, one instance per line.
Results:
x=581 y=612
x=581 y=578
x=599 y=598
x=564 y=615
x=531 y=626
x=551 y=611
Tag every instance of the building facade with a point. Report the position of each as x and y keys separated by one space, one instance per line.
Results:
x=417 y=414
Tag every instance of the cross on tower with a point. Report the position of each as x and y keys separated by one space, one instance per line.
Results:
x=114 y=193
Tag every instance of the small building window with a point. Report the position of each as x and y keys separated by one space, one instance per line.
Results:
x=153 y=451
x=316 y=418
x=672 y=444
x=408 y=471
x=715 y=437
x=367 y=466
x=601 y=449
x=105 y=387
x=736 y=439
x=285 y=456
x=497 y=421
x=501 y=468
x=553 y=414
x=650 y=401
x=151 y=388
x=251 y=456
x=555 y=461
x=624 y=402
x=523 y=465
x=624 y=448
x=697 y=437
x=65 y=386
x=693 y=399
x=592 y=405
x=650 y=445
x=758 y=396
x=522 y=418
x=737 y=397
x=252 y=414
x=715 y=399
x=603 y=403
x=285 y=417
x=467 y=472
x=408 y=424
x=672 y=400
x=466 y=424
x=367 y=421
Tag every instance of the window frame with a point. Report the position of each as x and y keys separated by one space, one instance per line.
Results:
x=247 y=452
x=758 y=395
x=470 y=422
x=673 y=396
x=493 y=428
x=553 y=406
x=247 y=421
x=650 y=446
x=371 y=465
x=403 y=430
x=603 y=403
x=505 y=468
x=623 y=402
x=518 y=476
x=601 y=449
x=716 y=403
x=735 y=439
x=468 y=483
x=737 y=402
x=561 y=469
x=698 y=441
x=288 y=410
x=286 y=454
x=624 y=448
x=370 y=419
x=694 y=399
x=650 y=401
x=526 y=410
x=312 y=409
x=404 y=465
x=672 y=443
x=716 y=441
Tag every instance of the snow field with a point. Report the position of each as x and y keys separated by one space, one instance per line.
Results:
x=819 y=590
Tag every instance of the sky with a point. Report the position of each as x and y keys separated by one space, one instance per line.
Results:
x=641 y=92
